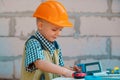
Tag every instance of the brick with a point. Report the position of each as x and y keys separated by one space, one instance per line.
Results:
x=4 y=26
x=11 y=46
x=18 y=5
x=85 y=5
x=116 y=6
x=25 y=26
x=116 y=46
x=18 y=68
x=6 y=70
x=83 y=46
x=99 y=26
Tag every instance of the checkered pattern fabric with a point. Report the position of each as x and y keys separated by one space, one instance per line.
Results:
x=48 y=44
x=34 y=51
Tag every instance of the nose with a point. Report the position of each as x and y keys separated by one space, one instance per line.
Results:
x=58 y=33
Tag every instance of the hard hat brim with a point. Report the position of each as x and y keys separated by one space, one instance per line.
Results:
x=62 y=24
x=58 y=23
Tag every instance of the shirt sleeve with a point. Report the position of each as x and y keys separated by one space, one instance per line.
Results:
x=33 y=52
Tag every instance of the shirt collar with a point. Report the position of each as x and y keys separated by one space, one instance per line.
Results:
x=50 y=46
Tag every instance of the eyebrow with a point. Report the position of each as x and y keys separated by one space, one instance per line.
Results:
x=58 y=28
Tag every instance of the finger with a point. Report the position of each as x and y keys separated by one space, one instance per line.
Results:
x=76 y=68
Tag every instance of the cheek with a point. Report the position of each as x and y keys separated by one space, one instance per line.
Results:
x=48 y=33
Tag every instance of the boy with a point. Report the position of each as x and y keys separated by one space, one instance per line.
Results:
x=42 y=59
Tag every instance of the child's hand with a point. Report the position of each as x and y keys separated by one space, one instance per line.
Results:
x=71 y=70
x=69 y=73
x=76 y=68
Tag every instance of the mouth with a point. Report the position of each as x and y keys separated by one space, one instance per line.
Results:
x=54 y=37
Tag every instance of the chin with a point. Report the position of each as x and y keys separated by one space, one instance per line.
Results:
x=51 y=40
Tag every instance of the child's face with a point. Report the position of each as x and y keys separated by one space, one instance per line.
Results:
x=49 y=31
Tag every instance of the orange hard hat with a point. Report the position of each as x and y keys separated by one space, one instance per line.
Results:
x=53 y=12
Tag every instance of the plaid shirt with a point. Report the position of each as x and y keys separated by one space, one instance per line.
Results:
x=34 y=51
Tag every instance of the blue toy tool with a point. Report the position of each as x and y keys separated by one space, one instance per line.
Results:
x=90 y=68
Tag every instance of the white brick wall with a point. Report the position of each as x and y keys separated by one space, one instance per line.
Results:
x=100 y=26
x=4 y=26
x=83 y=46
x=116 y=6
x=6 y=70
x=11 y=46
x=85 y=5
x=25 y=25
x=18 y=6
x=95 y=35
x=116 y=46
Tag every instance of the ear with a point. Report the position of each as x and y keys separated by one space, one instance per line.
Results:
x=39 y=24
